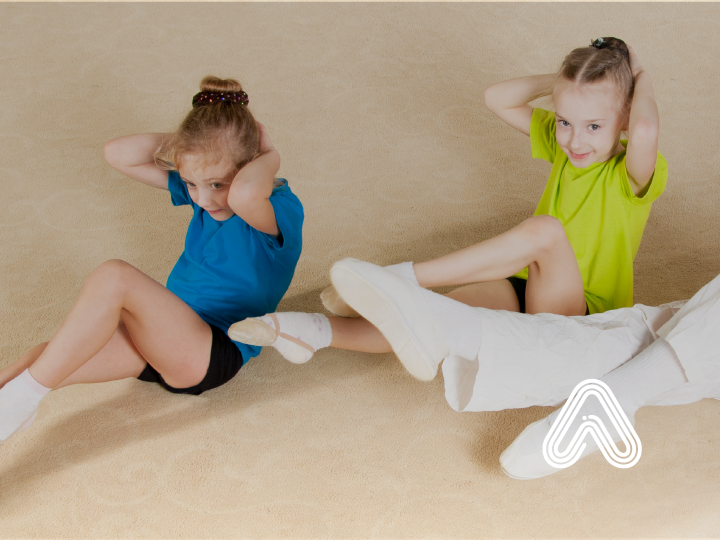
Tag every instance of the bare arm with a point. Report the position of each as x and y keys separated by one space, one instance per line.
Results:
x=133 y=156
x=251 y=188
x=643 y=128
x=509 y=99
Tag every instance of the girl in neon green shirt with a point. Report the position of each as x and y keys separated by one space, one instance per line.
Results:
x=575 y=255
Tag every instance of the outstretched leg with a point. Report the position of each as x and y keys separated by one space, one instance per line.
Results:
x=122 y=320
x=540 y=243
x=652 y=373
x=681 y=366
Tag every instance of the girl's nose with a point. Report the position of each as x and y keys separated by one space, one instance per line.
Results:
x=204 y=197
x=576 y=142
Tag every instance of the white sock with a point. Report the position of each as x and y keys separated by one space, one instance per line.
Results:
x=459 y=323
x=311 y=328
x=404 y=270
x=19 y=399
x=651 y=373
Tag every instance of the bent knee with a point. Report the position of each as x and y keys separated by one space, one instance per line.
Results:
x=116 y=266
x=187 y=375
x=113 y=273
x=547 y=232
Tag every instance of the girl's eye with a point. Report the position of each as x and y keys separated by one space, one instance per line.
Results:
x=189 y=184
x=594 y=127
x=216 y=186
x=564 y=123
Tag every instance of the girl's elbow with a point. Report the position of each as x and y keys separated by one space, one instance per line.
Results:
x=490 y=97
x=113 y=153
x=110 y=152
x=645 y=131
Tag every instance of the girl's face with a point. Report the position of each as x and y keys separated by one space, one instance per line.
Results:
x=589 y=121
x=208 y=185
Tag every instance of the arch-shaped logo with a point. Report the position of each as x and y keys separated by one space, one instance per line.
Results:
x=561 y=459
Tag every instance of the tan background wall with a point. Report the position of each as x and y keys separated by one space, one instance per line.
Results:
x=377 y=111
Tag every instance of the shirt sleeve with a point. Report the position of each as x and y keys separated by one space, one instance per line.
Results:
x=178 y=190
x=542 y=135
x=653 y=190
x=289 y=216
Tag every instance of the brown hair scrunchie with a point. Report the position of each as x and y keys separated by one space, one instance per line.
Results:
x=208 y=98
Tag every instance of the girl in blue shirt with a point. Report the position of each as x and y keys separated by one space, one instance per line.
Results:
x=242 y=245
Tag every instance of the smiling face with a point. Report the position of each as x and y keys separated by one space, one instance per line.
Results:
x=208 y=185
x=589 y=121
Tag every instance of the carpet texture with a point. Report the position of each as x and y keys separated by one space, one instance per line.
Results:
x=378 y=114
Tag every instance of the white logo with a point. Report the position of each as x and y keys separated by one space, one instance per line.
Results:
x=561 y=459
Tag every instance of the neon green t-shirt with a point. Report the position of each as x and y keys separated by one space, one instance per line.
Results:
x=603 y=218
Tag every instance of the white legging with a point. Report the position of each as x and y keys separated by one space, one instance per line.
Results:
x=527 y=360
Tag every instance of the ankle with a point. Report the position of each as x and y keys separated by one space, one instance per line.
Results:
x=405 y=270
x=31 y=381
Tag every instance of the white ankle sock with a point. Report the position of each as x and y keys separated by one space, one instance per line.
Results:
x=404 y=270
x=311 y=328
x=460 y=324
x=19 y=399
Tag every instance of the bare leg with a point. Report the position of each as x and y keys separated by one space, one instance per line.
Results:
x=497 y=294
x=8 y=373
x=121 y=320
x=357 y=334
x=554 y=281
x=118 y=359
x=540 y=243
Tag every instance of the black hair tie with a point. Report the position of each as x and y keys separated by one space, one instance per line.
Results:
x=605 y=43
x=208 y=98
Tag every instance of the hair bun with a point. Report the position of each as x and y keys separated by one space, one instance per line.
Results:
x=216 y=84
x=612 y=43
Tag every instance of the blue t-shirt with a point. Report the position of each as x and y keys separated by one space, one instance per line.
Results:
x=230 y=271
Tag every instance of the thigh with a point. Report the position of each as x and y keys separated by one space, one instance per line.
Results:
x=555 y=284
x=118 y=359
x=167 y=333
x=498 y=294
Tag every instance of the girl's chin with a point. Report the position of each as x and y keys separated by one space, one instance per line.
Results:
x=221 y=215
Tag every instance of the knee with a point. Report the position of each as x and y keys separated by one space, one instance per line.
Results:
x=186 y=375
x=112 y=275
x=546 y=233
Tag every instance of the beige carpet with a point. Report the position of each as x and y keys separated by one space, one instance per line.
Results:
x=377 y=111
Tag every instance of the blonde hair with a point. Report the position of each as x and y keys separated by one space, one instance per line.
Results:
x=606 y=59
x=217 y=131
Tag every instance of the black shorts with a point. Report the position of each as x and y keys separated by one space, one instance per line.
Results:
x=520 y=284
x=225 y=361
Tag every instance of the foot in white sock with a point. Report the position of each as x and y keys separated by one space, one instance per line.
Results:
x=296 y=336
x=653 y=372
x=422 y=327
x=335 y=304
x=524 y=460
x=19 y=400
